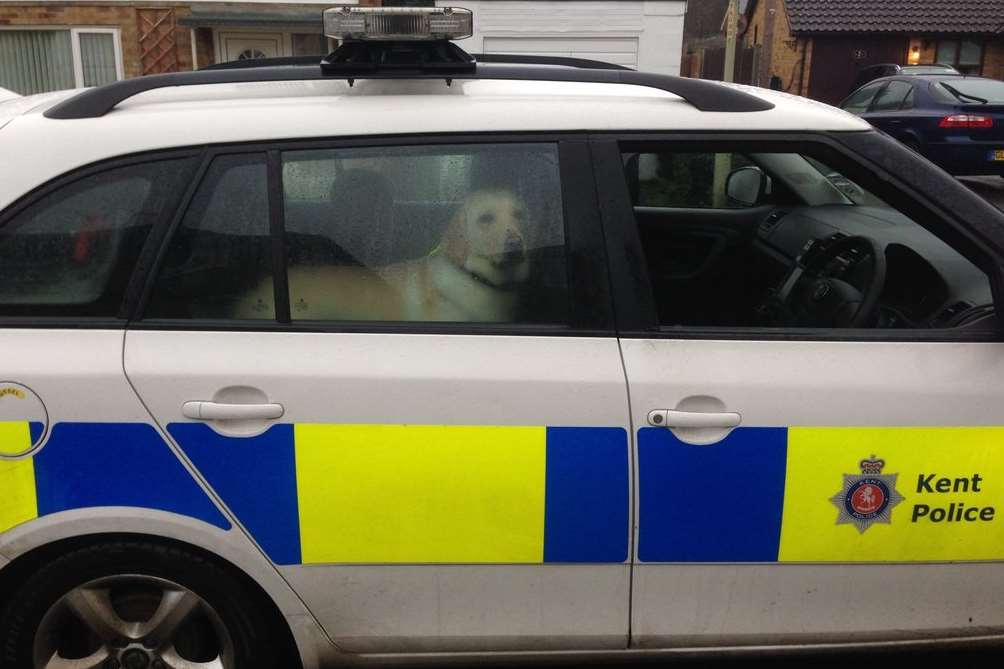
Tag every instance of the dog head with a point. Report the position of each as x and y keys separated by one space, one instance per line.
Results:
x=486 y=237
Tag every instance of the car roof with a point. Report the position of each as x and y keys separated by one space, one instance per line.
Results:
x=933 y=78
x=284 y=110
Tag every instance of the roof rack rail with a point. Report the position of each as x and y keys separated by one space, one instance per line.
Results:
x=704 y=95
x=247 y=63
x=504 y=58
x=521 y=59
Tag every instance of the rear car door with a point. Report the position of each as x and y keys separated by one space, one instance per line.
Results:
x=887 y=109
x=859 y=101
x=827 y=466
x=74 y=439
x=394 y=362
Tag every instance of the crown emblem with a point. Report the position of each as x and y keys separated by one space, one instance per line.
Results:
x=868 y=497
x=872 y=466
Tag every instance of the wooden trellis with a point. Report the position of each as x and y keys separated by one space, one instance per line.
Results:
x=157 y=41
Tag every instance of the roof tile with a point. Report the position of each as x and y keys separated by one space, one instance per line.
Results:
x=899 y=16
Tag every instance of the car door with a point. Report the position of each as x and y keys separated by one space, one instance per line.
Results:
x=888 y=110
x=68 y=417
x=394 y=363
x=808 y=483
x=700 y=232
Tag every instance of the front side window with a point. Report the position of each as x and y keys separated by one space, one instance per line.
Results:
x=72 y=252
x=683 y=179
x=816 y=249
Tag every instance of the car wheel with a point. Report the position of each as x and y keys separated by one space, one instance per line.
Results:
x=134 y=605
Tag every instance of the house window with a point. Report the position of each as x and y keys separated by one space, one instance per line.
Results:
x=965 y=55
x=37 y=60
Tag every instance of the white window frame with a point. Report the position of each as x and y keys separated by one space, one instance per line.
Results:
x=78 y=62
x=75 y=32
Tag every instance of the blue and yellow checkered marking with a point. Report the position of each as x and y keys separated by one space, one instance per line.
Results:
x=392 y=494
x=85 y=465
x=763 y=495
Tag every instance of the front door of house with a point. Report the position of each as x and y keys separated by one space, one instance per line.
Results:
x=245 y=46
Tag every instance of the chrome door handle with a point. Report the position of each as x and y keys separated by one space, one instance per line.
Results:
x=201 y=410
x=692 y=419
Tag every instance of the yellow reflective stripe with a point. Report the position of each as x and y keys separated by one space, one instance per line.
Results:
x=414 y=494
x=18 y=503
x=818 y=457
x=15 y=437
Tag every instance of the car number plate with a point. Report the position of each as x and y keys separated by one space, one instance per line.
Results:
x=997 y=155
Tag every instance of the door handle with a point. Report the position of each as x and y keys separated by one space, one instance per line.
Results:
x=201 y=410
x=692 y=419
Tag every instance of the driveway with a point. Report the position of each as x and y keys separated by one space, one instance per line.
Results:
x=991 y=188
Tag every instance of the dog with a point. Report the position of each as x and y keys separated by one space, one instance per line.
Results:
x=474 y=274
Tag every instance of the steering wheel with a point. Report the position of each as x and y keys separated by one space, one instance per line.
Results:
x=838 y=286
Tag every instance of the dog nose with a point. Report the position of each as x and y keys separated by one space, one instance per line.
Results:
x=513 y=245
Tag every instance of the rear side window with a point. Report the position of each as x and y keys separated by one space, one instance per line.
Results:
x=72 y=253
x=443 y=233
x=222 y=248
x=893 y=97
x=860 y=100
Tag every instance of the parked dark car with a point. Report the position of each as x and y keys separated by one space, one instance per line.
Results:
x=955 y=121
x=873 y=72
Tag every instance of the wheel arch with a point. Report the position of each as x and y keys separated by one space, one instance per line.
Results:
x=31 y=547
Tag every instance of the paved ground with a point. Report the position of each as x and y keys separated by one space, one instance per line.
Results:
x=959 y=659
x=992 y=188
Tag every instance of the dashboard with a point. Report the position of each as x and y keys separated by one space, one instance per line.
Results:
x=927 y=283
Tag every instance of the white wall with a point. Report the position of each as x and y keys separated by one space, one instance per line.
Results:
x=654 y=27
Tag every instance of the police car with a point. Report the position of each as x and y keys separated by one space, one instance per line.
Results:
x=411 y=355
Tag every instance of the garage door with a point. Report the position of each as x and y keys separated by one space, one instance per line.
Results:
x=617 y=50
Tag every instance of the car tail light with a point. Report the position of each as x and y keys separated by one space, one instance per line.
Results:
x=975 y=121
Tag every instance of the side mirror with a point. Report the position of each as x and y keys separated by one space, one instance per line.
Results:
x=746 y=186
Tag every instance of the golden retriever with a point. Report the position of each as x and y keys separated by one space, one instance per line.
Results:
x=472 y=275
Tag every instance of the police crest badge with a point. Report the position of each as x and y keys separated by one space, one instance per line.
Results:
x=868 y=497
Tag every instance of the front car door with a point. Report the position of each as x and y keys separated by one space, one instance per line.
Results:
x=395 y=364
x=829 y=465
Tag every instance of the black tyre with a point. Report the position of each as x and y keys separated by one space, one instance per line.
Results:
x=135 y=605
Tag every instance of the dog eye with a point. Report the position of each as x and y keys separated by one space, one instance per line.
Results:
x=486 y=219
x=519 y=215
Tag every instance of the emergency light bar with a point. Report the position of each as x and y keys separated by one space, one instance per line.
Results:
x=398 y=24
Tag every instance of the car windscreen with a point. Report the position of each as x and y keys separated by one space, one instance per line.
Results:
x=980 y=89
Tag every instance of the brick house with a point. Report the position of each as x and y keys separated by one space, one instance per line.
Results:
x=49 y=45
x=54 y=44
x=816 y=47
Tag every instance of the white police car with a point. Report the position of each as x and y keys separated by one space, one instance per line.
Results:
x=405 y=355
